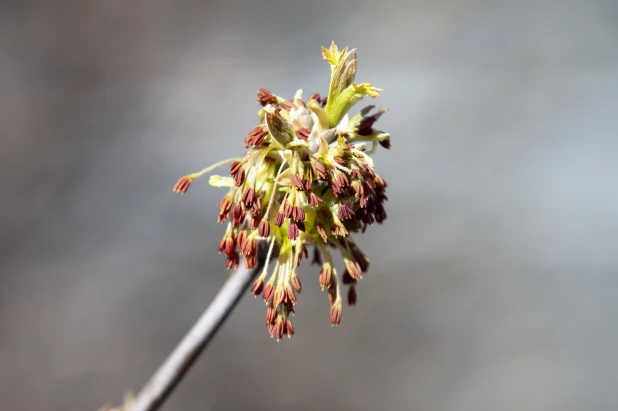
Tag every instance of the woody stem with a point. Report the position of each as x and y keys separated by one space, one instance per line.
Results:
x=175 y=367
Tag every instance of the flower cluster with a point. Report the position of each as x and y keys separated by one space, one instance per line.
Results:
x=307 y=178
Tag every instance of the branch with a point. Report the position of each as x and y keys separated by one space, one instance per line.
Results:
x=171 y=372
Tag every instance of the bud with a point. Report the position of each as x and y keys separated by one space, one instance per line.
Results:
x=289 y=328
x=279 y=219
x=258 y=286
x=227 y=243
x=325 y=276
x=297 y=182
x=264 y=228
x=250 y=261
x=314 y=200
x=248 y=196
x=302 y=134
x=279 y=296
x=232 y=261
x=271 y=315
x=287 y=209
x=238 y=214
x=289 y=294
x=224 y=208
x=353 y=268
x=255 y=137
x=298 y=214
x=345 y=212
x=321 y=231
x=335 y=314
x=296 y=282
x=266 y=97
x=239 y=178
x=183 y=184
x=293 y=230
x=319 y=169
x=269 y=292
x=276 y=330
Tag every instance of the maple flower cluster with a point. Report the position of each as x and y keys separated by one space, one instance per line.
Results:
x=307 y=178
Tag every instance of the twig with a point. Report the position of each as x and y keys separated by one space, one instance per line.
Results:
x=171 y=372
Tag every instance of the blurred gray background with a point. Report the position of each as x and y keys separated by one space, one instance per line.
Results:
x=493 y=283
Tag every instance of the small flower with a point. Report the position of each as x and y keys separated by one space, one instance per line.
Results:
x=289 y=328
x=224 y=208
x=325 y=277
x=255 y=136
x=228 y=243
x=345 y=212
x=335 y=313
x=271 y=315
x=279 y=219
x=307 y=178
x=258 y=286
x=264 y=228
x=279 y=296
x=266 y=97
x=296 y=283
x=183 y=184
x=290 y=295
x=269 y=292
x=232 y=261
x=293 y=230
x=248 y=196
x=353 y=268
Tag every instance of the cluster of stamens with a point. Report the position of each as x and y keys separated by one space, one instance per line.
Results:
x=307 y=178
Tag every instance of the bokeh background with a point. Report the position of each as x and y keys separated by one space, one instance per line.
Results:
x=493 y=283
